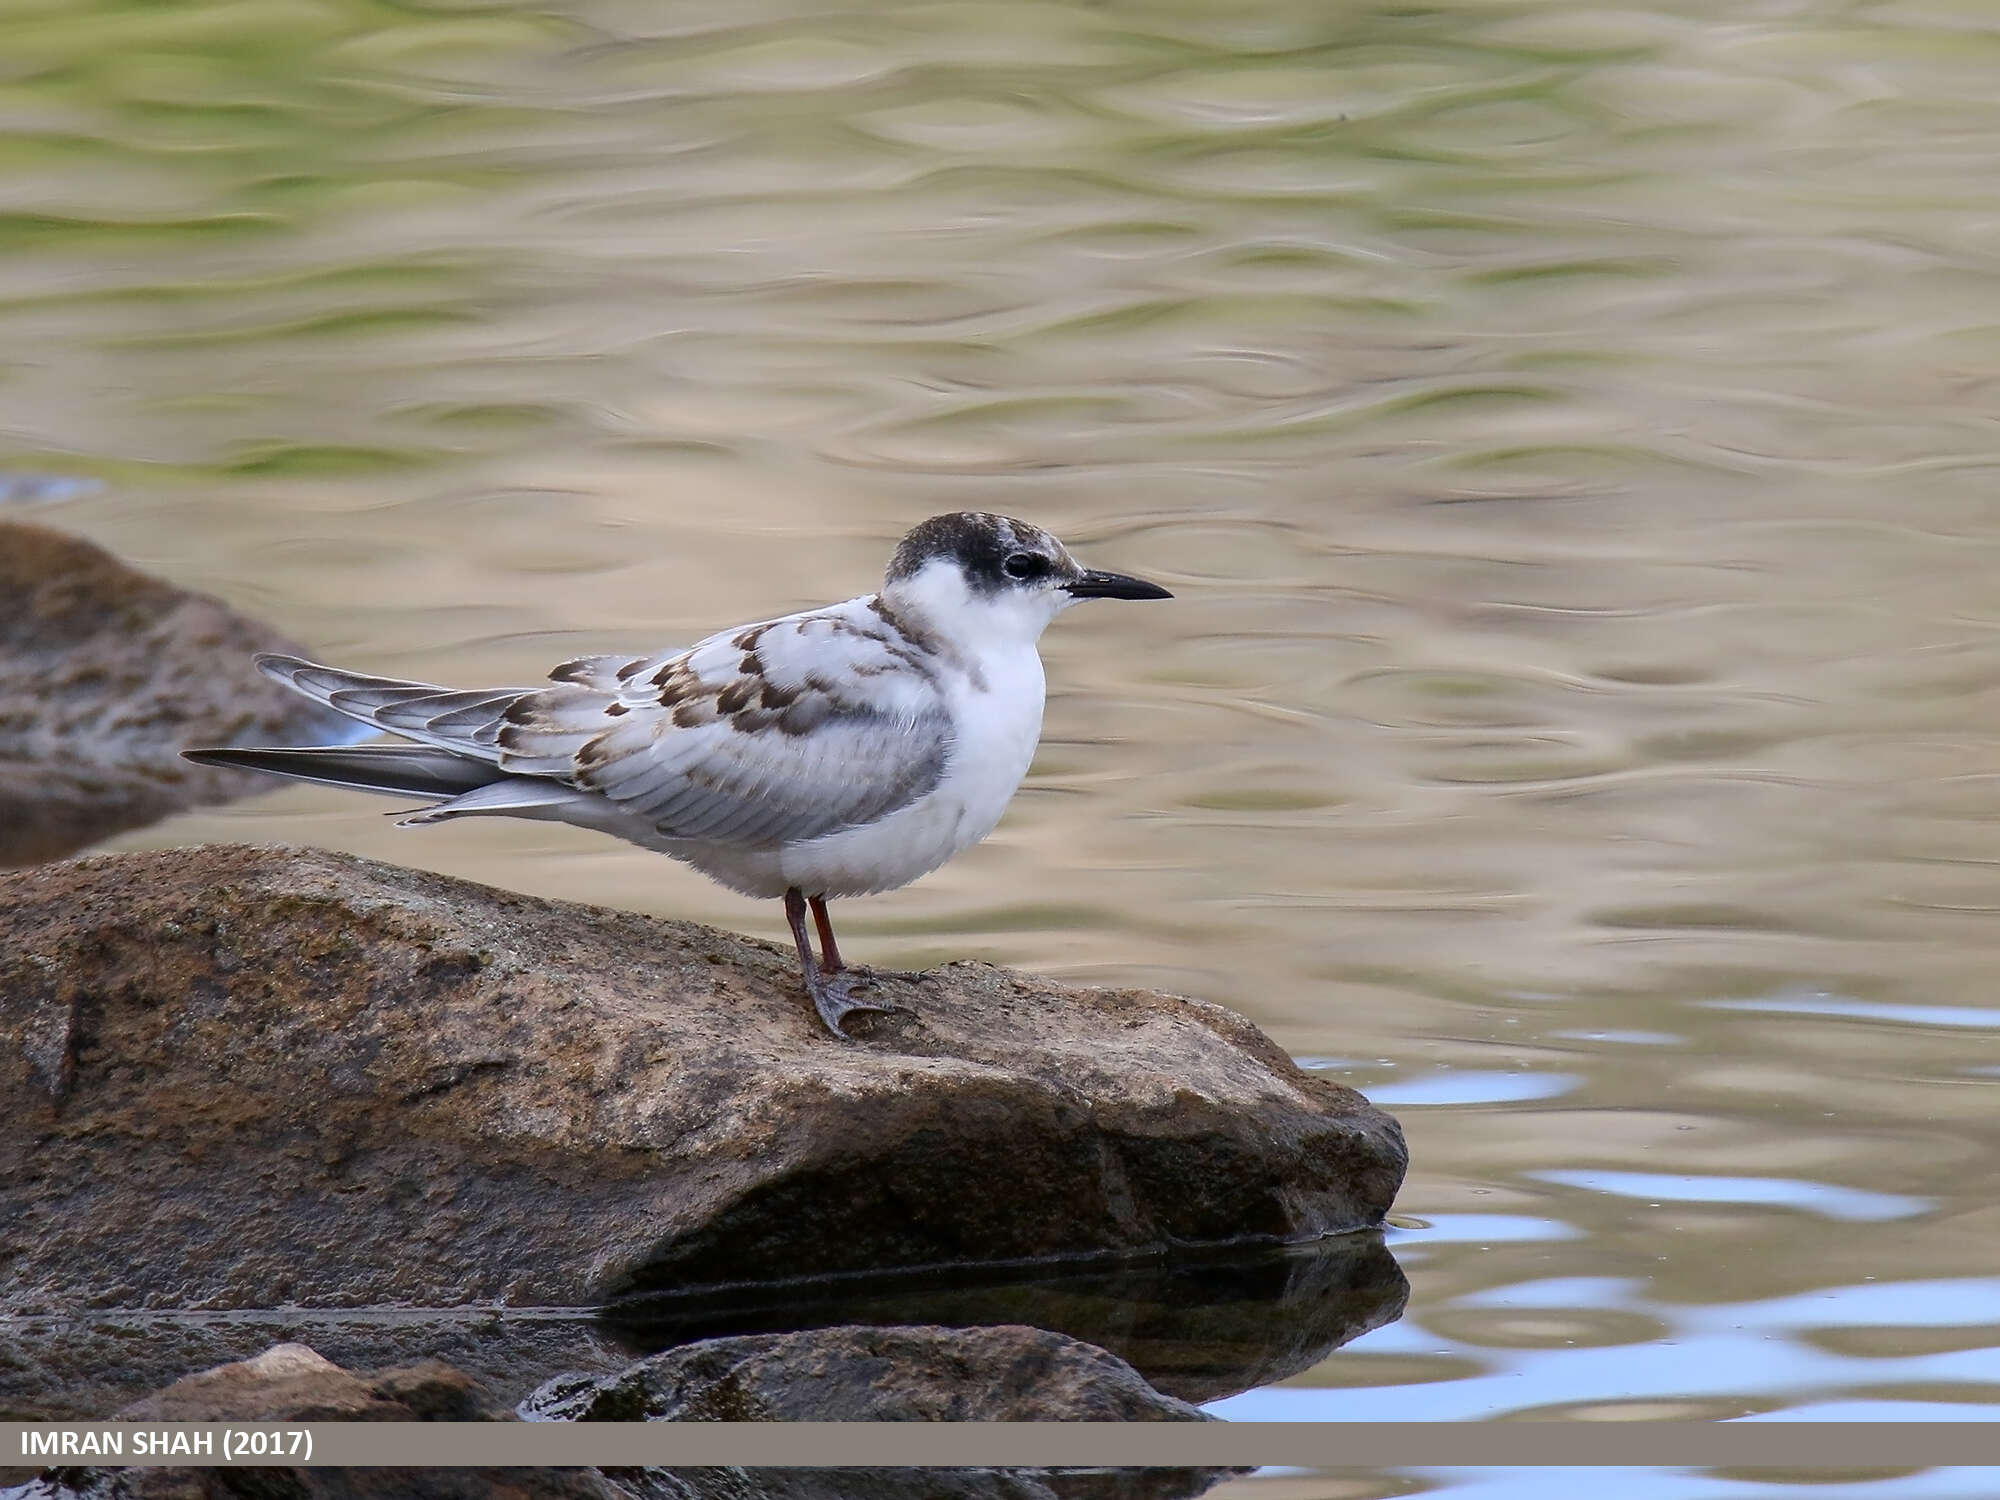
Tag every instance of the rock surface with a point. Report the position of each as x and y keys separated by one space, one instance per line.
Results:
x=239 y=1078
x=866 y=1374
x=106 y=674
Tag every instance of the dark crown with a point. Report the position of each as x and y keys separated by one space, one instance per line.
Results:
x=978 y=541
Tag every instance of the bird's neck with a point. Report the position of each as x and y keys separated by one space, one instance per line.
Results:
x=935 y=610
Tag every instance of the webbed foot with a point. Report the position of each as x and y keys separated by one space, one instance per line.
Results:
x=833 y=998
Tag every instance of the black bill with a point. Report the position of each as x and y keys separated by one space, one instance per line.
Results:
x=1096 y=585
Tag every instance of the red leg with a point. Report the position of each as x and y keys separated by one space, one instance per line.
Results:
x=829 y=950
x=830 y=960
x=830 y=989
x=795 y=913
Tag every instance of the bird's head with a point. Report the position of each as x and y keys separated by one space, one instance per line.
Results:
x=982 y=577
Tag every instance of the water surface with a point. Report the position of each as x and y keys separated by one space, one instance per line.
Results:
x=1570 y=431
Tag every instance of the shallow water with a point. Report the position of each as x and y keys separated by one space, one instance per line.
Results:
x=1570 y=432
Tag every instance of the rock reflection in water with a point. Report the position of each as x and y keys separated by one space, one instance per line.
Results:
x=1199 y=1329
x=106 y=674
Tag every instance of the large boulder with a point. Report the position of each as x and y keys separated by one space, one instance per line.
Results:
x=865 y=1374
x=106 y=675
x=239 y=1078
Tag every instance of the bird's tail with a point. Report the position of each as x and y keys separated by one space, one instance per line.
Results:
x=396 y=770
x=454 y=786
x=454 y=765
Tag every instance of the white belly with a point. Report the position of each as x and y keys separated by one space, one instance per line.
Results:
x=997 y=726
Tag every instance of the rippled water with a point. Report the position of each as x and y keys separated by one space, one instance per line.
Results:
x=1570 y=431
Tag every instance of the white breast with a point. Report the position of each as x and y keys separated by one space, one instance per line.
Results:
x=996 y=714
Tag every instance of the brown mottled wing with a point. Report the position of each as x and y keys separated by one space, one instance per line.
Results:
x=775 y=733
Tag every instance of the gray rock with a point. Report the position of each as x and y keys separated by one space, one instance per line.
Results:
x=106 y=674
x=865 y=1374
x=240 y=1078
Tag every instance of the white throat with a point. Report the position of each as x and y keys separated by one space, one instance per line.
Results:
x=937 y=600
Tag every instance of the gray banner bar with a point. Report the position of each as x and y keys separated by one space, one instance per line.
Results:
x=1090 y=1444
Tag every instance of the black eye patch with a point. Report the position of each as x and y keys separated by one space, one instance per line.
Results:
x=1026 y=565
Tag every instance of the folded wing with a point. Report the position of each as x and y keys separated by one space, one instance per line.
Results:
x=774 y=733
x=767 y=735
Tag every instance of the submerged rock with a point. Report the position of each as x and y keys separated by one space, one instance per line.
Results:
x=1004 y=1374
x=106 y=675
x=239 y=1078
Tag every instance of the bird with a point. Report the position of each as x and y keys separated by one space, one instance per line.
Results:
x=840 y=751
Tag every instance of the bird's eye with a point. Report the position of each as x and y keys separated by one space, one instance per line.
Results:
x=1026 y=565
